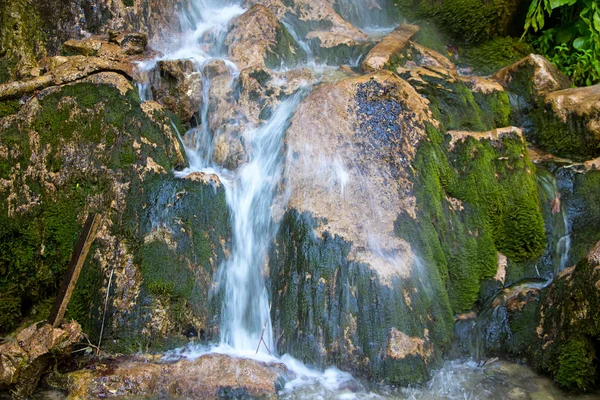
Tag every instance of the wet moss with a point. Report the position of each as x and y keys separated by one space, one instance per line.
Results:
x=458 y=108
x=576 y=368
x=570 y=138
x=43 y=219
x=286 y=51
x=496 y=209
x=328 y=309
x=9 y=107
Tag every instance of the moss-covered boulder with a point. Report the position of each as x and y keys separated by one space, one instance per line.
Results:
x=567 y=122
x=346 y=289
x=93 y=146
x=257 y=38
x=460 y=103
x=470 y=21
x=478 y=197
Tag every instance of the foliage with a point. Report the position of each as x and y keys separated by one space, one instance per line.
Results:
x=573 y=44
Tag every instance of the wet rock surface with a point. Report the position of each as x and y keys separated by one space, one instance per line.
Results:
x=208 y=377
x=383 y=51
x=25 y=358
x=177 y=85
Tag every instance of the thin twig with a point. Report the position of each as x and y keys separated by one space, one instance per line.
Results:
x=105 y=307
x=262 y=334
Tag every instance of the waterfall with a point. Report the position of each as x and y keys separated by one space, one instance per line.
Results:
x=560 y=230
x=250 y=189
x=250 y=196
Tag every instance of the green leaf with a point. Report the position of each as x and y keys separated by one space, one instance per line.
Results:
x=597 y=21
x=580 y=43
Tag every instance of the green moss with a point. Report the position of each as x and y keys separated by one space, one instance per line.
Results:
x=458 y=108
x=576 y=367
x=286 y=50
x=36 y=242
x=470 y=21
x=493 y=55
x=9 y=107
x=566 y=139
x=499 y=211
x=323 y=299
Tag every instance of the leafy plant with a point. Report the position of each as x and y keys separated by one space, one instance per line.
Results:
x=572 y=44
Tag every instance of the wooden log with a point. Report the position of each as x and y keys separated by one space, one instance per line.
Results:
x=86 y=237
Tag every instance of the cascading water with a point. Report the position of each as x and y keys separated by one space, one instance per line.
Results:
x=561 y=236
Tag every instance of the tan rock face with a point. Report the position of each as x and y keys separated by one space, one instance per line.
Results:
x=177 y=85
x=400 y=346
x=255 y=35
x=23 y=361
x=393 y=43
x=542 y=74
x=349 y=149
x=582 y=104
x=493 y=135
x=207 y=377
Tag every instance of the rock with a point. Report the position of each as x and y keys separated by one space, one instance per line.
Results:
x=85 y=47
x=207 y=377
x=493 y=135
x=568 y=122
x=177 y=85
x=349 y=150
x=63 y=70
x=460 y=103
x=214 y=68
x=24 y=360
x=131 y=42
x=257 y=38
x=92 y=146
x=331 y=38
x=532 y=78
x=393 y=43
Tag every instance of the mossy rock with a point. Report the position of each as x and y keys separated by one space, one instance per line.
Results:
x=478 y=197
x=93 y=146
x=455 y=105
x=330 y=310
x=470 y=21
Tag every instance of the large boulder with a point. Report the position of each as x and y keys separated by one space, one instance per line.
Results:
x=257 y=38
x=208 y=377
x=91 y=146
x=338 y=265
x=25 y=358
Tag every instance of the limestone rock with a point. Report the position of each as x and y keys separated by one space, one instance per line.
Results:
x=532 y=77
x=393 y=43
x=85 y=47
x=131 y=42
x=177 y=85
x=214 y=68
x=569 y=123
x=23 y=361
x=207 y=377
x=257 y=38
x=493 y=135
x=348 y=167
